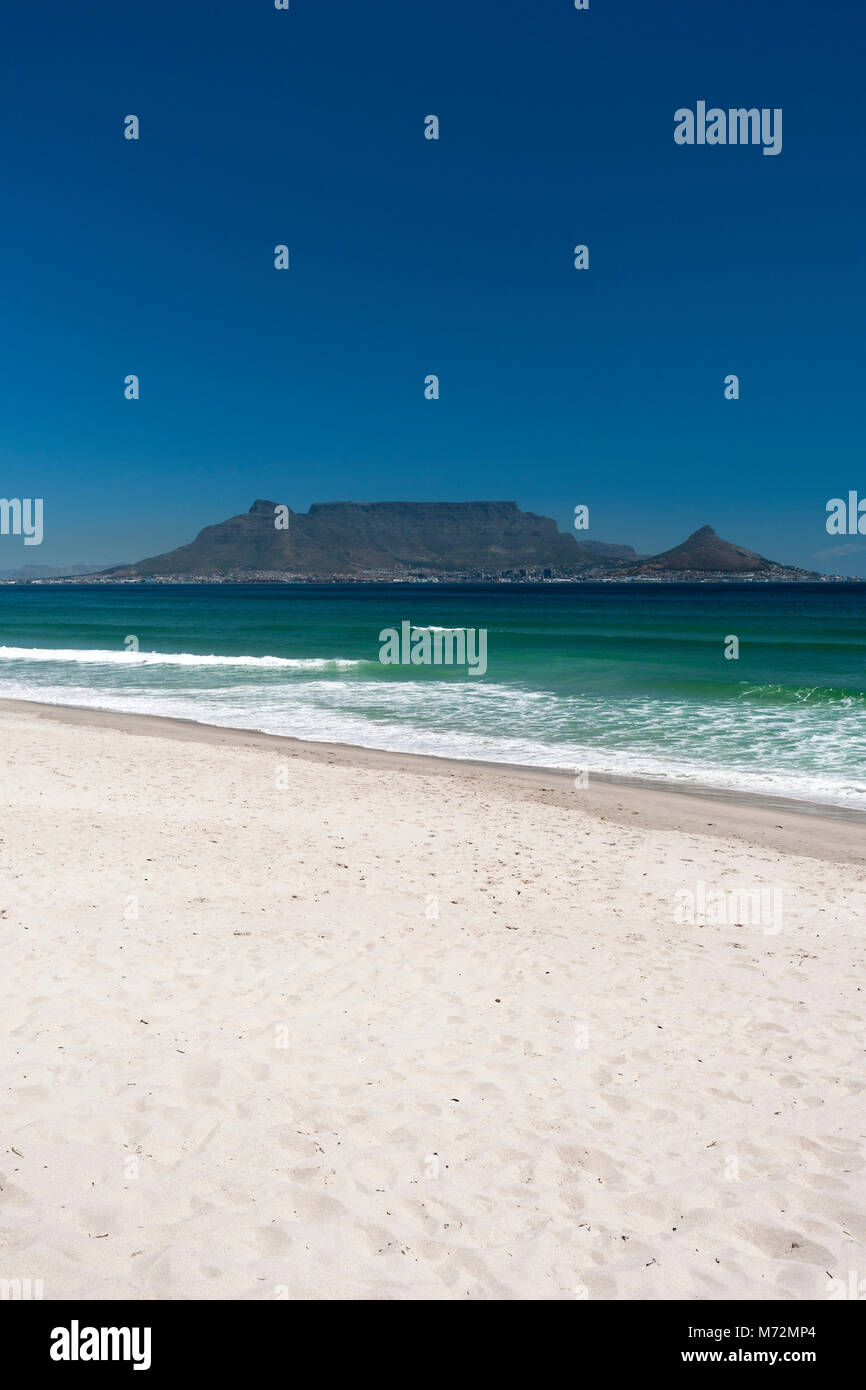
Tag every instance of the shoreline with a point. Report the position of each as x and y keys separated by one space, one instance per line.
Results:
x=782 y=824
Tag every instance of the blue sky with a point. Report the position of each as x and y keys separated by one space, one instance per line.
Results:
x=411 y=257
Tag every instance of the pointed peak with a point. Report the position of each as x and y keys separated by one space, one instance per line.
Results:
x=702 y=533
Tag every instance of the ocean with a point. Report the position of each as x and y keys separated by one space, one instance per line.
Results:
x=622 y=679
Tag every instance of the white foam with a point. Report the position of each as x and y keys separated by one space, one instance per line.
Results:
x=93 y=656
x=328 y=712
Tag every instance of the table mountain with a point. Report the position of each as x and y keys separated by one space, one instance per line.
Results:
x=375 y=538
x=388 y=540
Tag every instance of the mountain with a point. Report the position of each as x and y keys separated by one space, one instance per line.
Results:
x=706 y=553
x=52 y=571
x=430 y=540
x=607 y=550
x=375 y=540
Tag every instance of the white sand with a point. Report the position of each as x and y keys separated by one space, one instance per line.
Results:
x=707 y=1141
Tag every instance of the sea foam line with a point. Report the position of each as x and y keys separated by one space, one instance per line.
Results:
x=310 y=722
x=130 y=658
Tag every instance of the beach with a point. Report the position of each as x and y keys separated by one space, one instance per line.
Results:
x=297 y=1020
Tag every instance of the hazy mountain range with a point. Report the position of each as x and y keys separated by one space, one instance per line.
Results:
x=54 y=571
x=386 y=540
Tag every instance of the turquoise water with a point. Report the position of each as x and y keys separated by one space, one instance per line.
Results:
x=623 y=679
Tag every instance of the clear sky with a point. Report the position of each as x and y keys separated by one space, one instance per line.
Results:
x=411 y=256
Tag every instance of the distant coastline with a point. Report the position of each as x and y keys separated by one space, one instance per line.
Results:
x=488 y=542
x=601 y=576
x=434 y=542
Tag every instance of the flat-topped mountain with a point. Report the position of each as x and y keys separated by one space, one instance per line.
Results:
x=374 y=538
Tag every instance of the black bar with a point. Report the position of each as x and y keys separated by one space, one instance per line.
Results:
x=227 y=1339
